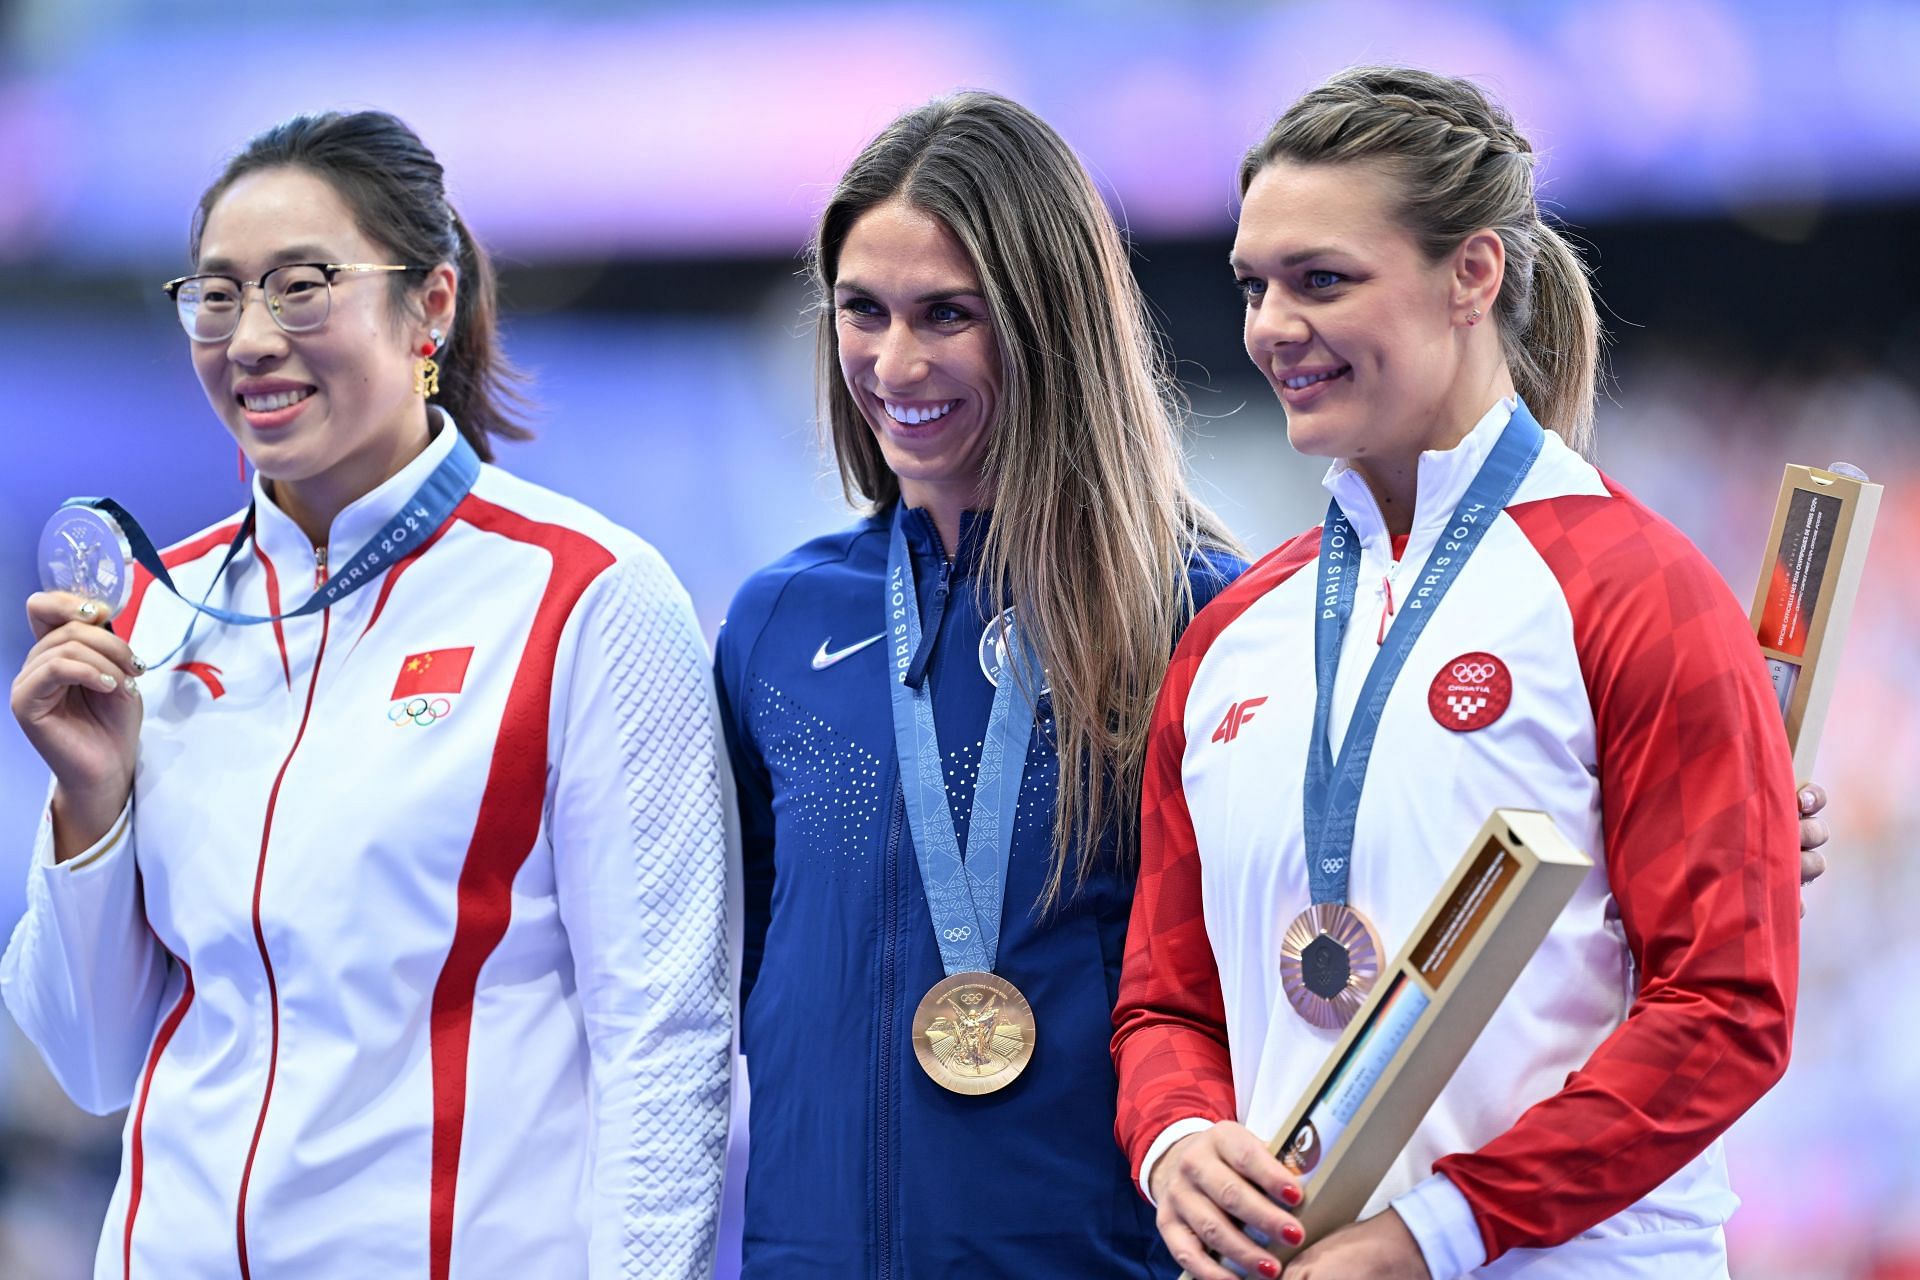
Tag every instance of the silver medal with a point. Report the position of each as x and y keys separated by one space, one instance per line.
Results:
x=84 y=551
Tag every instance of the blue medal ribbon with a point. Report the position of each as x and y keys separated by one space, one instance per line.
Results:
x=429 y=507
x=1332 y=790
x=965 y=892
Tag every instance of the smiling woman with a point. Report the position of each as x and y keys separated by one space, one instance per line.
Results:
x=939 y=830
x=317 y=217
x=919 y=357
x=1435 y=338
x=404 y=937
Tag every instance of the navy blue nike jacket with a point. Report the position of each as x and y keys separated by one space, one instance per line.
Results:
x=859 y=1165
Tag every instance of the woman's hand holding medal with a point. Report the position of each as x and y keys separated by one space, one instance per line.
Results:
x=77 y=702
x=1207 y=1184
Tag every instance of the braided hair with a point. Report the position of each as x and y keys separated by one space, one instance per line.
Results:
x=1462 y=167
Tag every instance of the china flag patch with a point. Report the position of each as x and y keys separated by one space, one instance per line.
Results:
x=435 y=671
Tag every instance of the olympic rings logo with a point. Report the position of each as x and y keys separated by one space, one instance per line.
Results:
x=1474 y=672
x=419 y=711
x=958 y=934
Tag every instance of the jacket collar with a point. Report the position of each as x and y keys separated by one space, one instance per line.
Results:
x=1441 y=482
x=923 y=538
x=286 y=545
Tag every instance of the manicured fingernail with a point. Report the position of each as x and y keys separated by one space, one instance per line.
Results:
x=1293 y=1234
x=88 y=609
x=108 y=682
x=133 y=686
x=1291 y=1195
x=139 y=667
x=1806 y=797
x=1268 y=1268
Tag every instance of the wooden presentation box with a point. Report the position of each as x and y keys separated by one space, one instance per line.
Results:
x=1804 y=601
x=1424 y=1014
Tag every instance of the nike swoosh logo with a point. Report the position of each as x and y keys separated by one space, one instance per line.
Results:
x=826 y=658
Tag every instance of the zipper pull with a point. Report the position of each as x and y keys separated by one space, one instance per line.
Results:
x=917 y=669
x=319 y=567
x=1386 y=583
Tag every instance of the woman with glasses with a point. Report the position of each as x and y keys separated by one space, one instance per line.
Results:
x=397 y=916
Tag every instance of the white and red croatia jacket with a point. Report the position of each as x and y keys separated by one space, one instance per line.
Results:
x=409 y=957
x=1587 y=662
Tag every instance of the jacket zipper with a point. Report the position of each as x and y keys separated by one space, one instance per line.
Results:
x=930 y=632
x=319 y=567
x=266 y=961
x=889 y=1013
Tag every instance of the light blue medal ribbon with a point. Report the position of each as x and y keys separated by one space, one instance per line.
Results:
x=1330 y=955
x=1332 y=789
x=416 y=520
x=965 y=892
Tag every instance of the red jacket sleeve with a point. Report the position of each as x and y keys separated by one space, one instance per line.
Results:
x=1702 y=854
x=1170 y=1024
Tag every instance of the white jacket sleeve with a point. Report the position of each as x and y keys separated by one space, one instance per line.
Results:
x=83 y=974
x=639 y=847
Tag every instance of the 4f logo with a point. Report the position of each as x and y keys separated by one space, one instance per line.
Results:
x=1236 y=718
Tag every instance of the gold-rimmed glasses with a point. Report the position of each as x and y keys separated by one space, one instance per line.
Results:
x=299 y=297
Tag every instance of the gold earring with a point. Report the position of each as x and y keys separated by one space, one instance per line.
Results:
x=426 y=372
x=1473 y=316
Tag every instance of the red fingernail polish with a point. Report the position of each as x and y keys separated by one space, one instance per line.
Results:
x=1292 y=1234
x=1291 y=1196
x=1268 y=1268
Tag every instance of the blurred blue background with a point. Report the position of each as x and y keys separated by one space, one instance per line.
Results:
x=1746 y=179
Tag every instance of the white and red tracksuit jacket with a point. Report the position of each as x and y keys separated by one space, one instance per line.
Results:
x=1618 y=689
x=409 y=957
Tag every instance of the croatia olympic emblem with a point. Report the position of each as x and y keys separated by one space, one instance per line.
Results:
x=1470 y=692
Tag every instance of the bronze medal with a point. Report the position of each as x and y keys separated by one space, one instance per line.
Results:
x=1329 y=961
x=973 y=1033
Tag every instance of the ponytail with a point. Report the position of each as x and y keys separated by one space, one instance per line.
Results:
x=1555 y=359
x=479 y=387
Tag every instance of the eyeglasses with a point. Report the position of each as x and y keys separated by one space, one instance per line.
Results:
x=299 y=297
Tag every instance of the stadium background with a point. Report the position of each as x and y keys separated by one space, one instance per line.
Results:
x=1746 y=178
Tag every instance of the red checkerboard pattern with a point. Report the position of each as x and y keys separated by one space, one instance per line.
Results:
x=1702 y=853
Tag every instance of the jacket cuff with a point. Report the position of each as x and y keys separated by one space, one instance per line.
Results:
x=115 y=839
x=1168 y=1136
x=1443 y=1226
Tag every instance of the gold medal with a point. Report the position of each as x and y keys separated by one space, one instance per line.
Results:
x=973 y=1033
x=1329 y=961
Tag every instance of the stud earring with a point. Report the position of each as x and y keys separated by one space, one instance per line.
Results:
x=1473 y=316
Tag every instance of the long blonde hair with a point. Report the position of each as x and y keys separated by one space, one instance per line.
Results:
x=1094 y=524
x=1463 y=166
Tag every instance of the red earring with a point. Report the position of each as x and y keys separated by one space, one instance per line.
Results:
x=426 y=348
